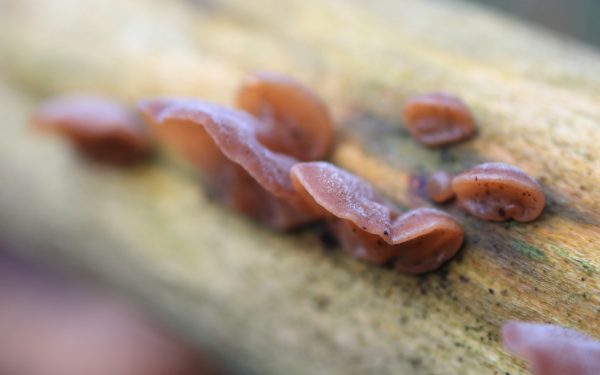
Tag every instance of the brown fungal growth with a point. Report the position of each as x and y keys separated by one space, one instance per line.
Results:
x=551 y=349
x=222 y=143
x=439 y=187
x=298 y=122
x=498 y=192
x=371 y=228
x=101 y=129
x=437 y=119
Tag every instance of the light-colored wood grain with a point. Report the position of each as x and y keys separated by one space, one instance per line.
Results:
x=273 y=303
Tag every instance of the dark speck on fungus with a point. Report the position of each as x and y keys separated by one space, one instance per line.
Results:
x=439 y=187
x=437 y=119
x=498 y=192
x=101 y=129
x=297 y=121
x=222 y=143
x=417 y=241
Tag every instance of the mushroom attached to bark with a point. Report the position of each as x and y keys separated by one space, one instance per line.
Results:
x=101 y=129
x=371 y=228
x=222 y=143
x=498 y=192
x=299 y=123
x=439 y=187
x=437 y=119
x=552 y=350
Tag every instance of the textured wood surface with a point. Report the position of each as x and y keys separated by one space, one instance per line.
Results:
x=272 y=303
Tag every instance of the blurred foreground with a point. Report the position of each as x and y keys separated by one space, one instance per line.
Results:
x=53 y=325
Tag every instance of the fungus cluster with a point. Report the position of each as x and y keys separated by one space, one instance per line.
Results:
x=254 y=165
x=371 y=228
x=490 y=191
x=246 y=155
x=263 y=160
x=224 y=145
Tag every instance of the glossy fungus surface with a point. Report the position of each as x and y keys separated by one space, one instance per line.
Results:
x=498 y=192
x=101 y=129
x=241 y=172
x=551 y=349
x=371 y=228
x=299 y=123
x=437 y=119
x=439 y=187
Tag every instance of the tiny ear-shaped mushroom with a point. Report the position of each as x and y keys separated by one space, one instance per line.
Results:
x=222 y=143
x=551 y=349
x=298 y=122
x=371 y=228
x=437 y=119
x=427 y=238
x=101 y=129
x=498 y=192
x=439 y=187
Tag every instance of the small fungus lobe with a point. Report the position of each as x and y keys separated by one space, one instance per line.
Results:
x=101 y=129
x=371 y=228
x=223 y=144
x=498 y=192
x=437 y=119
x=551 y=349
x=439 y=187
x=297 y=122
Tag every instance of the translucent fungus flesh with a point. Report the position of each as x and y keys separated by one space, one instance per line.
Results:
x=498 y=192
x=437 y=119
x=222 y=143
x=429 y=238
x=298 y=122
x=371 y=228
x=101 y=129
x=439 y=187
x=551 y=349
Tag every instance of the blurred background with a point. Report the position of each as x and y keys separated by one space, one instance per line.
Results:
x=53 y=324
x=577 y=18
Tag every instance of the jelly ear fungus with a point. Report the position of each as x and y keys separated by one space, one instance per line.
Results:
x=101 y=129
x=438 y=119
x=551 y=349
x=297 y=122
x=371 y=228
x=223 y=144
x=498 y=192
x=438 y=187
